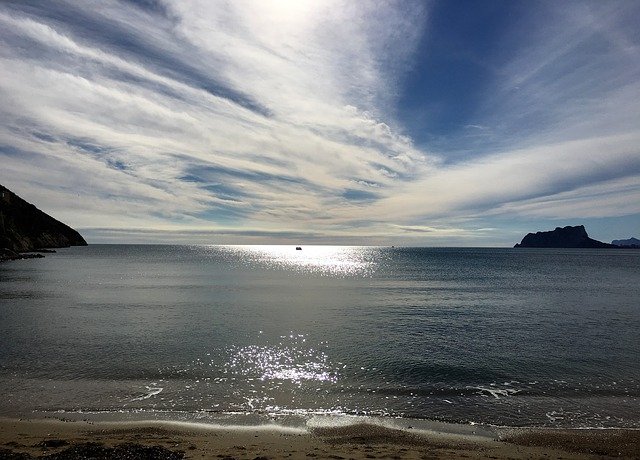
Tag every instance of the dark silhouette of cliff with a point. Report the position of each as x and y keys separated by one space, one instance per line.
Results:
x=24 y=228
x=567 y=237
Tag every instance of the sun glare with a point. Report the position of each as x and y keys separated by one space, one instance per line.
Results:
x=329 y=260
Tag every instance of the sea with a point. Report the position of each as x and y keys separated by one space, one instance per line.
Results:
x=274 y=335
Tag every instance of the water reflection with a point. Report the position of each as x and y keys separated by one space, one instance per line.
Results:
x=324 y=260
x=291 y=360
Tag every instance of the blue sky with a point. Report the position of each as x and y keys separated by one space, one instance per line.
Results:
x=442 y=123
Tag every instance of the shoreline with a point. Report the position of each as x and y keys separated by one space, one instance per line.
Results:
x=171 y=439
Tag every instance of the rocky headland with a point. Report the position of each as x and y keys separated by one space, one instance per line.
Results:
x=25 y=229
x=562 y=237
x=629 y=243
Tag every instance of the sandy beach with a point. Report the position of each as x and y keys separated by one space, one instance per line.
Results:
x=23 y=439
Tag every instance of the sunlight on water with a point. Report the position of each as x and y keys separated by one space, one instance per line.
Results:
x=290 y=360
x=326 y=260
x=497 y=336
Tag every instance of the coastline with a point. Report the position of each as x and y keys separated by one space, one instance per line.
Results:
x=360 y=440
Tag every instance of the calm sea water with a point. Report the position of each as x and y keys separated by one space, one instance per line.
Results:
x=490 y=336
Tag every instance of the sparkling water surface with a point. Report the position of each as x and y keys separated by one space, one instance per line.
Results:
x=491 y=336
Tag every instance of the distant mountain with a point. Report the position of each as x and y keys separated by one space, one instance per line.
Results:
x=23 y=227
x=630 y=243
x=567 y=237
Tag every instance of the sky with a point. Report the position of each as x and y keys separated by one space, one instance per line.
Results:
x=423 y=123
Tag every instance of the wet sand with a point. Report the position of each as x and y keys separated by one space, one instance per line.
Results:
x=168 y=440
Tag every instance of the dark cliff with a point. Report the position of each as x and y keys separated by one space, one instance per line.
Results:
x=23 y=227
x=567 y=237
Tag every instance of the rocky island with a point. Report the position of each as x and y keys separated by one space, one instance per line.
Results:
x=562 y=237
x=24 y=228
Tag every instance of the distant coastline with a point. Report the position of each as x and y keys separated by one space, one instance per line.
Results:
x=629 y=243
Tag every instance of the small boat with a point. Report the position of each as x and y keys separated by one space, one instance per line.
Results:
x=298 y=248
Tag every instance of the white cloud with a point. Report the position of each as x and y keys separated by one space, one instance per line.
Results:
x=226 y=116
x=503 y=180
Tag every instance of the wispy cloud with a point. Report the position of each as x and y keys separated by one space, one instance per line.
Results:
x=267 y=120
x=493 y=181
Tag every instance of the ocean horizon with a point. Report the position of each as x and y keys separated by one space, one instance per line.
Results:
x=271 y=334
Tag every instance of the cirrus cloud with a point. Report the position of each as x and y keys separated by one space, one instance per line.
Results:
x=264 y=120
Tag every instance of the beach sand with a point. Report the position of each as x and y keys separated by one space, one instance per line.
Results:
x=22 y=439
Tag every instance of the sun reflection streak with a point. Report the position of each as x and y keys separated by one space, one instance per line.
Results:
x=325 y=260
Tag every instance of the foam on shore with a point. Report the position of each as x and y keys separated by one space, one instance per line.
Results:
x=356 y=437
